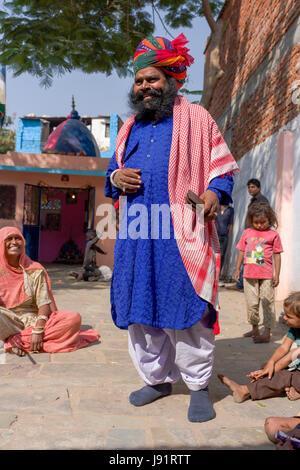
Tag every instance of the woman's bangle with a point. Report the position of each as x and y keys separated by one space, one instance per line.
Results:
x=42 y=317
x=37 y=332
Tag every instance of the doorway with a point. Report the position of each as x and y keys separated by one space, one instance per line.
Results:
x=55 y=222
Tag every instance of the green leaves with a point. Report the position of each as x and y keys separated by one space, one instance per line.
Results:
x=45 y=38
x=181 y=13
x=7 y=140
x=48 y=38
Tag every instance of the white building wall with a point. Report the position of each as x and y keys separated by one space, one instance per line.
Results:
x=295 y=236
x=261 y=163
x=98 y=130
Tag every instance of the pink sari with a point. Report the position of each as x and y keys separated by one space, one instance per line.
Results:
x=62 y=331
x=62 y=334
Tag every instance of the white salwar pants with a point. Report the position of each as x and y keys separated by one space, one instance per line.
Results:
x=163 y=355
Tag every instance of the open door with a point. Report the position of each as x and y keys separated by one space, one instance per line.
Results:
x=32 y=220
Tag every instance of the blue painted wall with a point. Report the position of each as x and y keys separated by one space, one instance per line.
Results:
x=113 y=132
x=28 y=137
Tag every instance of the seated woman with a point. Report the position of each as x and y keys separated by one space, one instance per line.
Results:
x=29 y=319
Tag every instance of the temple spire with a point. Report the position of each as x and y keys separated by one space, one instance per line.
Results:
x=74 y=113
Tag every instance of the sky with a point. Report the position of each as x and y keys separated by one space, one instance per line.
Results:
x=96 y=94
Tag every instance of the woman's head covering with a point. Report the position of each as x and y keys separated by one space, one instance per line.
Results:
x=4 y=234
x=12 y=292
x=171 y=56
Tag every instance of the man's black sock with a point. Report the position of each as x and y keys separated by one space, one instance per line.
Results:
x=200 y=409
x=149 y=393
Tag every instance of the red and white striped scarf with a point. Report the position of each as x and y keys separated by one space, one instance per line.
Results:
x=198 y=154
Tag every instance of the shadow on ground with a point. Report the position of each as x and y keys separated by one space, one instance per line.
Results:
x=61 y=280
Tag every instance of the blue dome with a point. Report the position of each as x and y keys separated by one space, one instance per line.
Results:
x=72 y=136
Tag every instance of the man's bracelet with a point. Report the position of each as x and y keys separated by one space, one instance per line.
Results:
x=37 y=332
x=112 y=178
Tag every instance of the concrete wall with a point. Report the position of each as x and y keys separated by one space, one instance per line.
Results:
x=256 y=105
x=276 y=163
x=295 y=228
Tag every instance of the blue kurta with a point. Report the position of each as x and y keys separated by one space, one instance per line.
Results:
x=150 y=284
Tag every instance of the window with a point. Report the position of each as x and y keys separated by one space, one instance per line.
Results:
x=50 y=213
x=8 y=197
x=107 y=129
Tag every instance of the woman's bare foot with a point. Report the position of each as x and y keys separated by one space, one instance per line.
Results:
x=292 y=393
x=240 y=392
x=17 y=351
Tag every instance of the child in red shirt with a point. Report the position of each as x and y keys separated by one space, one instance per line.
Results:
x=259 y=246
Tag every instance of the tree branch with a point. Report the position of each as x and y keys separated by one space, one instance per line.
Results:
x=208 y=15
x=161 y=20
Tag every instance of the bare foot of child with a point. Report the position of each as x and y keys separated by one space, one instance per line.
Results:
x=249 y=334
x=254 y=332
x=240 y=392
x=264 y=338
x=292 y=393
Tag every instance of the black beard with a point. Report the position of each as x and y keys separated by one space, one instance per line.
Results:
x=160 y=105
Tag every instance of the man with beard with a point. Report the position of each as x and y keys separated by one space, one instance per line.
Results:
x=164 y=289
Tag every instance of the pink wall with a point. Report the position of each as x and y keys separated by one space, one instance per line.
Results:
x=54 y=161
x=72 y=220
x=284 y=207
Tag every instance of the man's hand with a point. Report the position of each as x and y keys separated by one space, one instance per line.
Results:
x=128 y=179
x=211 y=205
x=275 y=281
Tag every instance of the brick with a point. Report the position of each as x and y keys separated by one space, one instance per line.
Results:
x=270 y=106
x=252 y=33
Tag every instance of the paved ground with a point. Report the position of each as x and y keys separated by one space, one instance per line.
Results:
x=79 y=400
